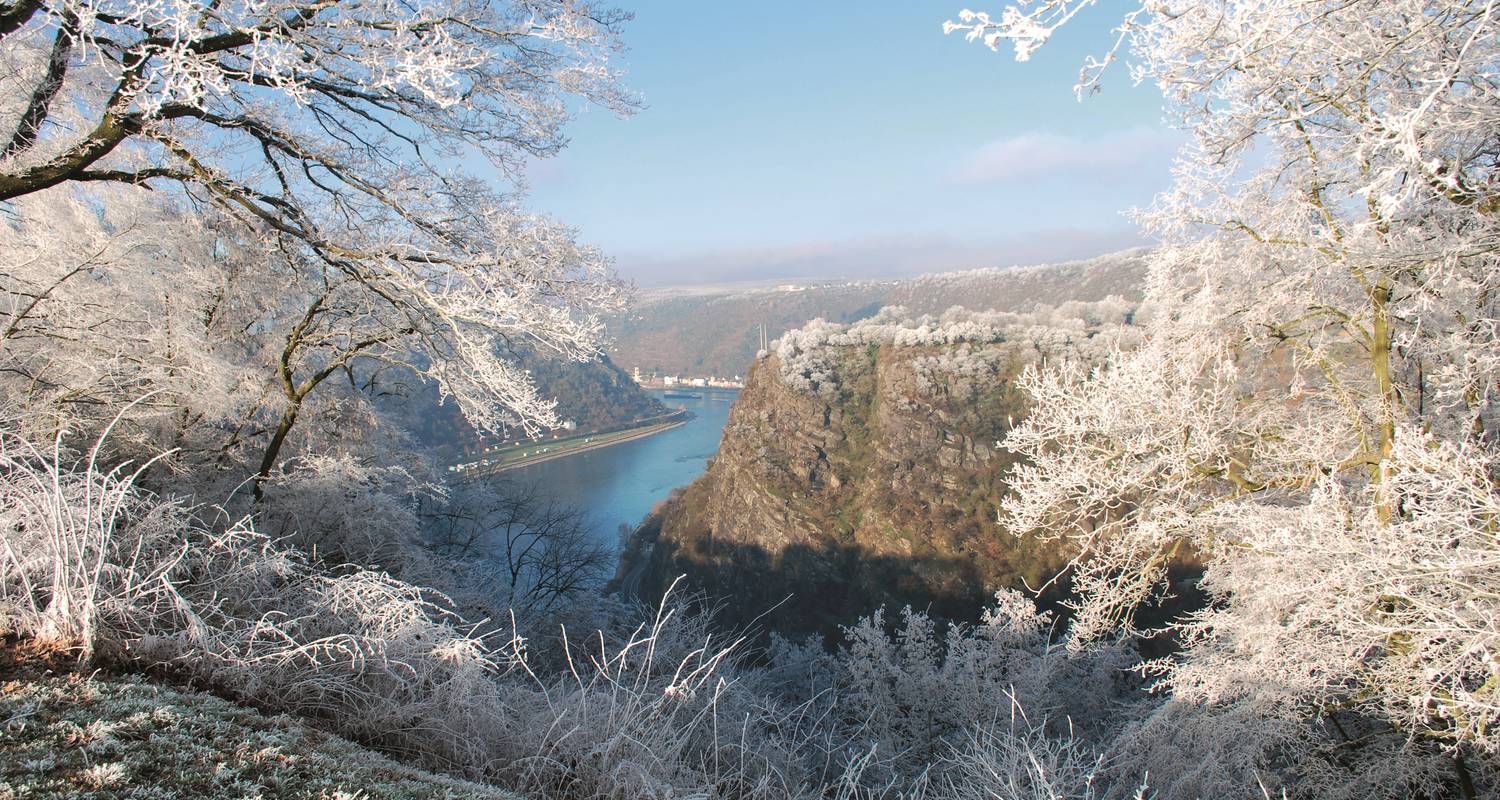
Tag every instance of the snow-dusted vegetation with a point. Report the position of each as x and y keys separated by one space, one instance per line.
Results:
x=1080 y=331
x=665 y=707
x=232 y=241
x=1312 y=414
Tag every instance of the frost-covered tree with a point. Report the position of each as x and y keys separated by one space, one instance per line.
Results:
x=110 y=296
x=105 y=302
x=283 y=108
x=1313 y=415
x=333 y=131
x=535 y=554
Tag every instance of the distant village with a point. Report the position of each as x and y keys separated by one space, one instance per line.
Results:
x=655 y=381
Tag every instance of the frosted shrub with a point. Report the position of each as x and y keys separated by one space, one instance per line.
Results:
x=919 y=693
x=661 y=714
x=809 y=356
x=962 y=372
x=1189 y=750
x=342 y=509
x=79 y=548
x=1022 y=761
x=93 y=562
x=376 y=657
x=806 y=365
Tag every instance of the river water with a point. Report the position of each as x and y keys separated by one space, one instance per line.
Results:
x=621 y=484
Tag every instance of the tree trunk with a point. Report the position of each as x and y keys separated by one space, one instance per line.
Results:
x=1380 y=357
x=273 y=449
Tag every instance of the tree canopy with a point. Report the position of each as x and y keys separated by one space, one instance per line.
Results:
x=371 y=151
x=1313 y=416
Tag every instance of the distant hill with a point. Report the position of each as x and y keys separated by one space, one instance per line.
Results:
x=715 y=331
x=592 y=394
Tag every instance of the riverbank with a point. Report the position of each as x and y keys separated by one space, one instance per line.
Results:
x=617 y=486
x=533 y=453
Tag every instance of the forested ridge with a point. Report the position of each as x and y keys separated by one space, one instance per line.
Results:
x=717 y=331
x=593 y=395
x=239 y=241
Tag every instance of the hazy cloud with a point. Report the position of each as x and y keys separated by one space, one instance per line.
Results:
x=544 y=172
x=1036 y=155
x=885 y=257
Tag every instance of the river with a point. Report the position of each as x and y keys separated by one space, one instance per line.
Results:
x=620 y=484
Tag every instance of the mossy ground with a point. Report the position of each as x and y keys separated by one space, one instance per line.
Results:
x=72 y=736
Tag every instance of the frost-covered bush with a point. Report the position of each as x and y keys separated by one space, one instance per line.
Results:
x=81 y=549
x=961 y=372
x=923 y=684
x=94 y=562
x=917 y=702
x=1192 y=749
x=342 y=509
x=1025 y=761
x=809 y=356
x=663 y=712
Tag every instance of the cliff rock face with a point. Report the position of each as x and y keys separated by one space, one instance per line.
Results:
x=880 y=486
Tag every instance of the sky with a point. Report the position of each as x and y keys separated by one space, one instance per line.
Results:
x=826 y=138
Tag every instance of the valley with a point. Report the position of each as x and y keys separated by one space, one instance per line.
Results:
x=342 y=457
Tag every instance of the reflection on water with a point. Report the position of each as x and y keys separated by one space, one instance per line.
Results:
x=620 y=484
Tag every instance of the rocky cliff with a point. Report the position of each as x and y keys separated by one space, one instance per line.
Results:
x=856 y=470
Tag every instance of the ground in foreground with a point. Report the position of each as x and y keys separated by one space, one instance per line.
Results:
x=75 y=736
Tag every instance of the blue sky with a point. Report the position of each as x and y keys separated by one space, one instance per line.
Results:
x=826 y=138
